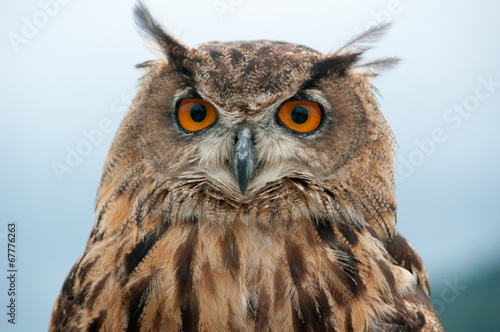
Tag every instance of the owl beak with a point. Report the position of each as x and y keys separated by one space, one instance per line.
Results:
x=243 y=158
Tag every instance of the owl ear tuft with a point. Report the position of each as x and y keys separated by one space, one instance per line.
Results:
x=348 y=57
x=174 y=50
x=374 y=67
x=362 y=43
x=145 y=64
x=335 y=64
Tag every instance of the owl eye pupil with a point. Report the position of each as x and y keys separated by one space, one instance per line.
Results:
x=300 y=114
x=198 y=113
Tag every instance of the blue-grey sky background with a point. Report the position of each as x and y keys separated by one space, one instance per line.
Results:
x=67 y=68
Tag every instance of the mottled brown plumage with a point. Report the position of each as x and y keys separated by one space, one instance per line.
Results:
x=311 y=245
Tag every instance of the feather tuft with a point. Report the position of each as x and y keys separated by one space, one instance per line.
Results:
x=175 y=51
x=375 y=66
x=369 y=36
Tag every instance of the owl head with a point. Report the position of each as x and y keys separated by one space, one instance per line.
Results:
x=238 y=123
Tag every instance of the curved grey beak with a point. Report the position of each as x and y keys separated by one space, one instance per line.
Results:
x=243 y=158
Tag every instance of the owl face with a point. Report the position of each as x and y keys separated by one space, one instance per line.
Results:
x=241 y=115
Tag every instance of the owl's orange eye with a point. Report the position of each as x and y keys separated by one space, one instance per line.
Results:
x=195 y=114
x=300 y=115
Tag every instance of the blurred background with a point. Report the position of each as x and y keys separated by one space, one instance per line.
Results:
x=67 y=77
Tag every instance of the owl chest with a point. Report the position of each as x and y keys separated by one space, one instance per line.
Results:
x=239 y=279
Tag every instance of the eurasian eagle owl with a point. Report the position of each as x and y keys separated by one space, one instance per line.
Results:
x=250 y=187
